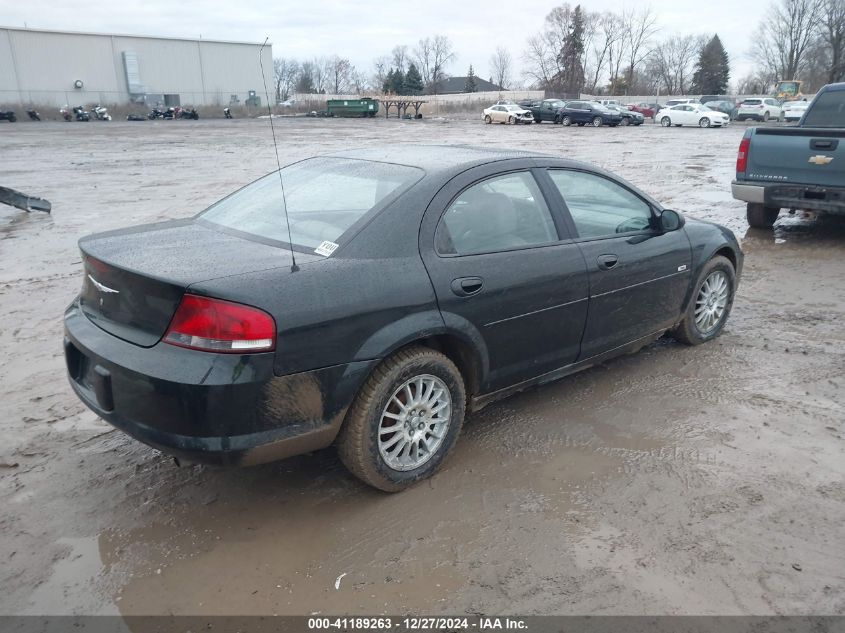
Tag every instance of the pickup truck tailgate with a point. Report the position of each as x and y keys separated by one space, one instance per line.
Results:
x=813 y=156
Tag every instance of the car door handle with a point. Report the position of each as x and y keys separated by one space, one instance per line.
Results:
x=467 y=286
x=823 y=144
x=606 y=262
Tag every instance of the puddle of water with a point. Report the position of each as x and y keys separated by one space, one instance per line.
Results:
x=74 y=587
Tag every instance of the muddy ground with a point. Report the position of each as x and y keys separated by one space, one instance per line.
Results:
x=679 y=480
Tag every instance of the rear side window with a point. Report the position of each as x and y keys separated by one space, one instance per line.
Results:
x=827 y=110
x=599 y=207
x=502 y=213
x=325 y=197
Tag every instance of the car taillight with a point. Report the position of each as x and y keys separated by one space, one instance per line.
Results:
x=213 y=325
x=742 y=154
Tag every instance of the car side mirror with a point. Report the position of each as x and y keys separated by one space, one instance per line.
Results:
x=670 y=220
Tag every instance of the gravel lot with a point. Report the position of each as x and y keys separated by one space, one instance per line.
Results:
x=678 y=480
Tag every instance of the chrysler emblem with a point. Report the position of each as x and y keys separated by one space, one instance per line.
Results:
x=820 y=159
x=101 y=287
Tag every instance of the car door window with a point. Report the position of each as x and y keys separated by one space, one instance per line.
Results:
x=599 y=207
x=501 y=213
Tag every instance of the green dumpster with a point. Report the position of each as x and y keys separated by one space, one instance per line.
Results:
x=365 y=106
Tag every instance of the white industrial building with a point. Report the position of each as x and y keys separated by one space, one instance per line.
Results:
x=58 y=68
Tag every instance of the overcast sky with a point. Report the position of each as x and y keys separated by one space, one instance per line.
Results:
x=364 y=29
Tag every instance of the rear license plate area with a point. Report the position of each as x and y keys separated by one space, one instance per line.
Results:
x=94 y=379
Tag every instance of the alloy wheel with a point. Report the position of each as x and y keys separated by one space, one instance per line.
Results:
x=414 y=422
x=711 y=302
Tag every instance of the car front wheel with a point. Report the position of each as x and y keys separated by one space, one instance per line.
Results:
x=704 y=122
x=666 y=121
x=404 y=421
x=597 y=121
x=487 y=119
x=567 y=121
x=710 y=304
x=625 y=121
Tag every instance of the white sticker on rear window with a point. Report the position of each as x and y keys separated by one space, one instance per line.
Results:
x=326 y=248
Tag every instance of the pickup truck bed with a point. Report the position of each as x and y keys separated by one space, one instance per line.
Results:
x=799 y=167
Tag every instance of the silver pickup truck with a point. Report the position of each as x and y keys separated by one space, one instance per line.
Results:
x=795 y=168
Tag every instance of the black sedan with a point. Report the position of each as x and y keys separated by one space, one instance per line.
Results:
x=404 y=286
x=589 y=113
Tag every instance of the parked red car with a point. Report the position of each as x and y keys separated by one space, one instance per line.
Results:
x=646 y=109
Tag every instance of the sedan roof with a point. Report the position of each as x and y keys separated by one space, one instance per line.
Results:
x=436 y=158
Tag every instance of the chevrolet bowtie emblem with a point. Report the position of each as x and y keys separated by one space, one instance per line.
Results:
x=820 y=159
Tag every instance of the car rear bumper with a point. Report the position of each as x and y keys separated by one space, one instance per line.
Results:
x=792 y=196
x=205 y=407
x=741 y=116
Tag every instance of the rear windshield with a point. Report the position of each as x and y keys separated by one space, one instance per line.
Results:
x=752 y=102
x=827 y=110
x=325 y=198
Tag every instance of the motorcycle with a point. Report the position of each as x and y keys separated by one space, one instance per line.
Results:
x=65 y=112
x=81 y=113
x=184 y=113
x=155 y=113
x=33 y=115
x=227 y=113
x=101 y=113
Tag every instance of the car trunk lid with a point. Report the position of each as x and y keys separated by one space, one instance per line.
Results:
x=134 y=278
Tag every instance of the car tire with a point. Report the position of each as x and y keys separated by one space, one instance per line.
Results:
x=487 y=119
x=566 y=120
x=361 y=446
x=766 y=117
x=666 y=121
x=511 y=120
x=597 y=121
x=760 y=216
x=625 y=122
x=704 y=122
x=701 y=322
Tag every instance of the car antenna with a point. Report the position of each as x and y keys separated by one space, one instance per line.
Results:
x=293 y=267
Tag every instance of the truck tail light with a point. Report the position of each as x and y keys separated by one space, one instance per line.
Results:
x=214 y=325
x=742 y=155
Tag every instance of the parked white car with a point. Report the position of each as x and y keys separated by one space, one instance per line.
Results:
x=794 y=110
x=759 y=109
x=511 y=114
x=692 y=114
x=674 y=102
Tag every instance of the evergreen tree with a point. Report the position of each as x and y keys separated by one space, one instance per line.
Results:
x=388 y=81
x=397 y=83
x=413 y=81
x=470 y=85
x=571 y=53
x=713 y=69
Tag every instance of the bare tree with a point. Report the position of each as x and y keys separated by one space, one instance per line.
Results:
x=832 y=19
x=607 y=31
x=380 y=67
x=285 y=72
x=540 y=61
x=784 y=36
x=615 y=31
x=400 y=57
x=500 y=66
x=641 y=27
x=673 y=61
x=433 y=55
x=320 y=74
x=423 y=53
x=338 y=74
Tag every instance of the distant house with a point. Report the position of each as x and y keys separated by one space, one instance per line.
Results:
x=456 y=85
